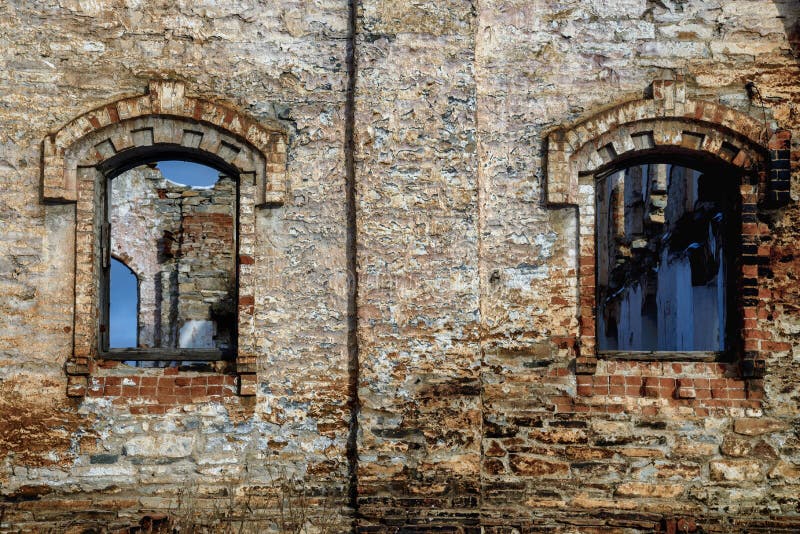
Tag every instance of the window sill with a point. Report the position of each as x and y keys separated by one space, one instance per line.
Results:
x=663 y=356
x=167 y=355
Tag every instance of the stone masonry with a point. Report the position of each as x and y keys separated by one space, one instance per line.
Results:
x=416 y=262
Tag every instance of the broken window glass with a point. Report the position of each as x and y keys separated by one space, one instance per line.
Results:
x=173 y=224
x=664 y=255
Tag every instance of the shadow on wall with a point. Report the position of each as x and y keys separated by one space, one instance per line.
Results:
x=789 y=11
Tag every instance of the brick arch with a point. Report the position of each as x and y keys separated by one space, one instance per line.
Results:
x=667 y=121
x=129 y=264
x=166 y=119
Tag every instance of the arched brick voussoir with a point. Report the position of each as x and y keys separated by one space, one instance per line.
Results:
x=646 y=125
x=155 y=131
x=165 y=116
x=672 y=133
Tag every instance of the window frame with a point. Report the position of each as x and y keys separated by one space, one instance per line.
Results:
x=162 y=120
x=664 y=122
x=699 y=162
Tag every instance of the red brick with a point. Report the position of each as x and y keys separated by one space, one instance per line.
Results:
x=718 y=393
x=617 y=380
x=754 y=333
x=113 y=114
x=702 y=393
x=775 y=346
x=652 y=391
x=737 y=393
x=600 y=380
x=750 y=229
x=167 y=399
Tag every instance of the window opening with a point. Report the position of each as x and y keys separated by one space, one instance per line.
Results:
x=665 y=249
x=175 y=223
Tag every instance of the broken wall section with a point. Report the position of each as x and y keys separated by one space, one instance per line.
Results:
x=180 y=242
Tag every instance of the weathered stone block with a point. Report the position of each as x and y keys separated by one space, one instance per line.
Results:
x=758 y=426
x=658 y=491
x=735 y=470
x=159 y=446
x=532 y=466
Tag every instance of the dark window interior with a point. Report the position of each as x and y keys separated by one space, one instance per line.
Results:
x=665 y=245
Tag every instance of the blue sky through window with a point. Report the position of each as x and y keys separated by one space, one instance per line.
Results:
x=188 y=173
x=124 y=294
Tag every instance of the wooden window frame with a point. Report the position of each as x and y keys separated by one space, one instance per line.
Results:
x=110 y=170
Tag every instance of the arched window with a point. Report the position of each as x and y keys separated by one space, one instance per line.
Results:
x=176 y=221
x=666 y=191
x=124 y=306
x=205 y=314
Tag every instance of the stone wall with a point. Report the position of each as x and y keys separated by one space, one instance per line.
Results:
x=141 y=438
x=472 y=398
